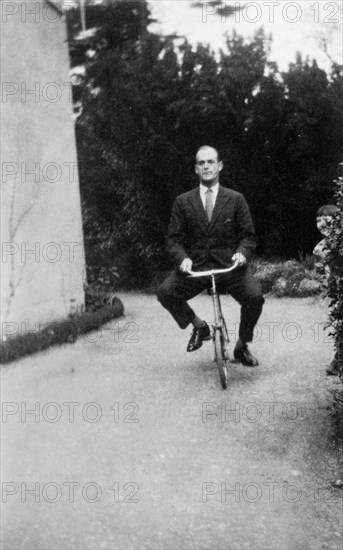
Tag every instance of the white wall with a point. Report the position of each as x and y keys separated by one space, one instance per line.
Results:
x=37 y=132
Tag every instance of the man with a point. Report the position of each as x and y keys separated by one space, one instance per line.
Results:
x=211 y=227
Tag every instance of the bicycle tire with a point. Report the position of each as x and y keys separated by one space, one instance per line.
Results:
x=220 y=358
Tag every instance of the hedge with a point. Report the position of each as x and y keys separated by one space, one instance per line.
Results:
x=335 y=284
x=58 y=332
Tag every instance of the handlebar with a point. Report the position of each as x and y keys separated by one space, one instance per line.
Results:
x=212 y=271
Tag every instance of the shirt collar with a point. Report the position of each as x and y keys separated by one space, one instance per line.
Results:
x=203 y=189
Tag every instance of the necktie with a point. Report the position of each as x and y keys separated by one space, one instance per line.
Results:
x=209 y=204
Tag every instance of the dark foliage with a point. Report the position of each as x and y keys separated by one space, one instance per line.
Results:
x=335 y=289
x=144 y=108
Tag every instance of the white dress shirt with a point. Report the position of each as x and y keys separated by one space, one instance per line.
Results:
x=203 y=190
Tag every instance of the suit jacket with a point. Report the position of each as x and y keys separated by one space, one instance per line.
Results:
x=191 y=236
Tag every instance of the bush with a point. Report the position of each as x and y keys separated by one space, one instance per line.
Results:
x=307 y=261
x=59 y=332
x=266 y=273
x=309 y=287
x=292 y=268
x=293 y=283
x=290 y=278
x=279 y=287
x=335 y=285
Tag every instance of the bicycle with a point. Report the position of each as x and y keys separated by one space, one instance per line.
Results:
x=219 y=333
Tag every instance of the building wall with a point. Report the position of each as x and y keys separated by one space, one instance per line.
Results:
x=41 y=209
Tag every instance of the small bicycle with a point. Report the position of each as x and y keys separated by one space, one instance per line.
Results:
x=219 y=333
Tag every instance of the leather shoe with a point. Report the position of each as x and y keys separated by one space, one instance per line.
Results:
x=199 y=334
x=244 y=356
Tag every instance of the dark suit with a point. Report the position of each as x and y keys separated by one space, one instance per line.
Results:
x=209 y=245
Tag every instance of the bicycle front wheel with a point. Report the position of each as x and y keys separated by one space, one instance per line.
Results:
x=220 y=357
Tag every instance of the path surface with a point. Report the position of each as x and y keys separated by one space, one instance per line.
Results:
x=150 y=453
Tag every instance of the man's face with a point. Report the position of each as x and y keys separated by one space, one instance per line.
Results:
x=324 y=224
x=207 y=166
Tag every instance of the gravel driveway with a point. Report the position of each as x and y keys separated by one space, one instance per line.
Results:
x=132 y=443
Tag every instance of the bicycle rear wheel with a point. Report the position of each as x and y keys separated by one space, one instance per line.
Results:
x=220 y=357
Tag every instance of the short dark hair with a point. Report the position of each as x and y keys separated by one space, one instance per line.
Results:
x=327 y=210
x=208 y=147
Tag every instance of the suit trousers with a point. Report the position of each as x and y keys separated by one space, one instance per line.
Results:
x=178 y=288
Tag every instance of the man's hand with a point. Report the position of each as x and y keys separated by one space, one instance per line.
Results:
x=238 y=257
x=186 y=265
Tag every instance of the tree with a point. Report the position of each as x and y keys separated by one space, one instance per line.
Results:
x=145 y=106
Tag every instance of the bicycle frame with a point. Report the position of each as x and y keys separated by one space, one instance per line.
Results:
x=219 y=321
x=215 y=296
x=218 y=315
